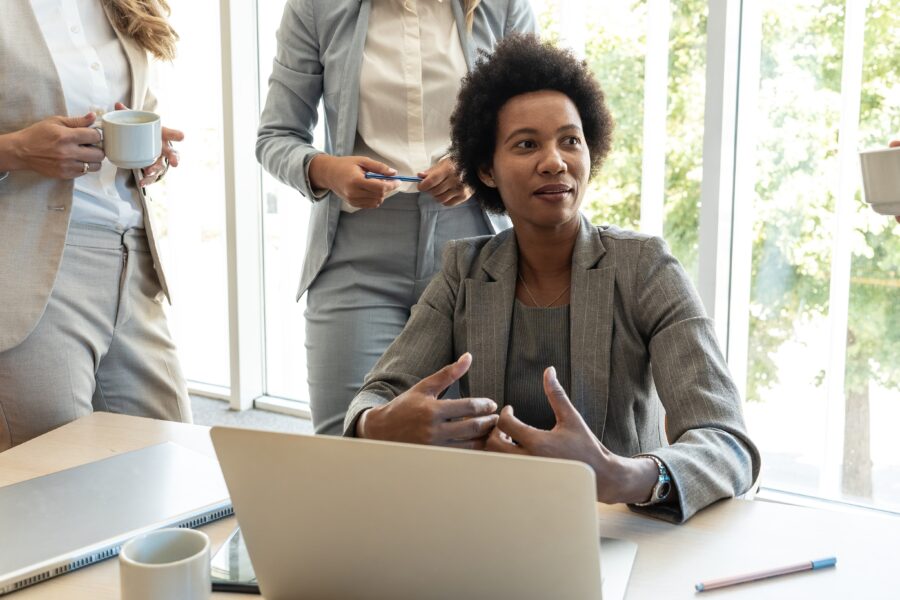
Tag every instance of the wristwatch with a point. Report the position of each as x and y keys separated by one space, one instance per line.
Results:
x=663 y=486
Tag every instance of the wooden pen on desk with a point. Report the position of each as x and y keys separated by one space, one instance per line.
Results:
x=810 y=565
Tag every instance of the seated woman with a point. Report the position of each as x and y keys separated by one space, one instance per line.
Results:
x=604 y=313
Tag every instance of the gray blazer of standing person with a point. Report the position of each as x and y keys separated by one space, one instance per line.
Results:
x=581 y=335
x=387 y=73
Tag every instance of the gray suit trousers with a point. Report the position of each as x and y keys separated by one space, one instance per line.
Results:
x=381 y=261
x=101 y=344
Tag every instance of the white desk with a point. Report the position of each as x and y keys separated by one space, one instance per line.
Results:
x=729 y=538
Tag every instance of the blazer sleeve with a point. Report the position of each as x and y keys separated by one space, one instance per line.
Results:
x=424 y=346
x=710 y=456
x=284 y=141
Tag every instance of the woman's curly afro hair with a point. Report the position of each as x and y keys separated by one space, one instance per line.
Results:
x=519 y=64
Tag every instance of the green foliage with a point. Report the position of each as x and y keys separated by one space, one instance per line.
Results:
x=616 y=56
x=798 y=117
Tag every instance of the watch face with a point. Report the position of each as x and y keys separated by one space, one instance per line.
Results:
x=662 y=490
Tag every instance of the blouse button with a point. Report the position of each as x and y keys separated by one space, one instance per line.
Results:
x=95 y=66
x=75 y=29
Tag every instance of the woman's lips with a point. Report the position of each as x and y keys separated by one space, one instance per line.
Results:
x=552 y=193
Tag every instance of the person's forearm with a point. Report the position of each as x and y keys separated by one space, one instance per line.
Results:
x=638 y=476
x=9 y=159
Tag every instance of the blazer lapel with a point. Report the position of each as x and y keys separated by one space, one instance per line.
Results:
x=465 y=38
x=348 y=112
x=591 y=327
x=137 y=61
x=489 y=306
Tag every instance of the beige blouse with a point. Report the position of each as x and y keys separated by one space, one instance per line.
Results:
x=412 y=66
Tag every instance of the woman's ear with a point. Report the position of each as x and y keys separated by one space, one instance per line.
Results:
x=486 y=176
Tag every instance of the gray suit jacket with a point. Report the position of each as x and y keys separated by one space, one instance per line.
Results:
x=635 y=319
x=35 y=210
x=320 y=47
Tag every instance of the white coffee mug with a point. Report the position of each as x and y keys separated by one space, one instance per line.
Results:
x=881 y=179
x=132 y=139
x=168 y=563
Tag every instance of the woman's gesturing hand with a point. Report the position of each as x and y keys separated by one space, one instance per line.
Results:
x=442 y=181
x=619 y=479
x=58 y=147
x=418 y=416
x=346 y=177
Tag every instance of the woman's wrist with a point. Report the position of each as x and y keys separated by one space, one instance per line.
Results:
x=9 y=157
x=319 y=171
x=360 y=430
x=638 y=476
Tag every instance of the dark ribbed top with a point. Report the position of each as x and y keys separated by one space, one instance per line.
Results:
x=539 y=338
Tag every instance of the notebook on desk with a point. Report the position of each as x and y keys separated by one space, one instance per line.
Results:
x=70 y=519
x=326 y=517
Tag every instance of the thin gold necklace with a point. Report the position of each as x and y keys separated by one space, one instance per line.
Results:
x=536 y=303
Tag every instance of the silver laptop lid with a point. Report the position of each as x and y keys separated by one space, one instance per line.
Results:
x=59 y=522
x=328 y=517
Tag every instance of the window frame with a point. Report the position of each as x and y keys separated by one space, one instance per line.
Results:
x=725 y=228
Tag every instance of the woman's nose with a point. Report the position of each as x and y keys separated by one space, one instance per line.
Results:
x=552 y=162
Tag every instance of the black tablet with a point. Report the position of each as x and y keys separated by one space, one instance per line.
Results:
x=231 y=570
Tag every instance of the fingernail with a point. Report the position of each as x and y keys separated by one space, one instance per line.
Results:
x=552 y=373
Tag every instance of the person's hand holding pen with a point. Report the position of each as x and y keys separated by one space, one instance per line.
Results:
x=895 y=144
x=442 y=181
x=346 y=177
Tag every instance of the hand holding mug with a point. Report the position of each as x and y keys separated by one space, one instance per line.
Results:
x=59 y=147
x=895 y=144
x=168 y=156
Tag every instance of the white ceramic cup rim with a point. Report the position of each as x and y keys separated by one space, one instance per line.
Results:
x=112 y=119
x=123 y=554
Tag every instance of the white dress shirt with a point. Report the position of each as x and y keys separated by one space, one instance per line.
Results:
x=94 y=74
x=412 y=67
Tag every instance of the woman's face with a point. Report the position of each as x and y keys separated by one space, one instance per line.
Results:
x=541 y=162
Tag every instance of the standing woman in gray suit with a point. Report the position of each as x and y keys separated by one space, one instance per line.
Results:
x=387 y=72
x=81 y=321
x=583 y=335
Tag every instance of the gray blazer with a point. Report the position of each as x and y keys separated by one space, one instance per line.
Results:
x=320 y=47
x=35 y=210
x=635 y=319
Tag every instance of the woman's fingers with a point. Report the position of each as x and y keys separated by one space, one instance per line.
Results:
x=498 y=441
x=87 y=154
x=437 y=382
x=467 y=430
x=472 y=428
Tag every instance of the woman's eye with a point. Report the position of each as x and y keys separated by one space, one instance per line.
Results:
x=572 y=140
x=525 y=144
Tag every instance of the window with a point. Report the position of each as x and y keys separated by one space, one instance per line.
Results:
x=806 y=279
x=190 y=198
x=821 y=323
x=650 y=59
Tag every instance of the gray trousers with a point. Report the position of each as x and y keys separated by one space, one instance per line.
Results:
x=380 y=263
x=102 y=343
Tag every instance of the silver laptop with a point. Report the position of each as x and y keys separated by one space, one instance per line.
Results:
x=327 y=517
x=70 y=519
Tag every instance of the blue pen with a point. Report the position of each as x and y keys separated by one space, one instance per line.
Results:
x=370 y=175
